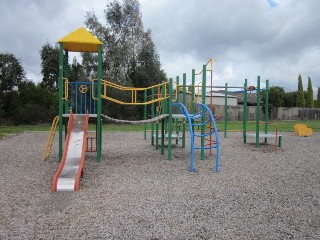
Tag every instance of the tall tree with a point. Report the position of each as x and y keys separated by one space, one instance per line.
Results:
x=290 y=99
x=309 y=99
x=50 y=66
x=300 y=95
x=12 y=75
x=11 y=72
x=124 y=40
x=130 y=57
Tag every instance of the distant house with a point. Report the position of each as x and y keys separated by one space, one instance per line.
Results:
x=218 y=99
x=251 y=97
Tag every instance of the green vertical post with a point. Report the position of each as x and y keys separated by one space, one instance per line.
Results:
x=66 y=75
x=170 y=120
x=193 y=83
x=258 y=113
x=152 y=116
x=203 y=92
x=225 y=119
x=177 y=120
x=99 y=105
x=60 y=99
x=184 y=89
x=245 y=111
x=266 y=111
x=145 y=114
x=163 y=110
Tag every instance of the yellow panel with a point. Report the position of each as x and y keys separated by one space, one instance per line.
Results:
x=80 y=40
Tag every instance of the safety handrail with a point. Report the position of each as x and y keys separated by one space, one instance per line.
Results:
x=66 y=89
x=134 y=93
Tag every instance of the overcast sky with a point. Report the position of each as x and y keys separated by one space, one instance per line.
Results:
x=276 y=39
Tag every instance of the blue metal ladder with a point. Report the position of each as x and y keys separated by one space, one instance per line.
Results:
x=202 y=113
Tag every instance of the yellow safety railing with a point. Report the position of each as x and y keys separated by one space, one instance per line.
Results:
x=134 y=93
x=50 y=138
x=208 y=70
x=66 y=89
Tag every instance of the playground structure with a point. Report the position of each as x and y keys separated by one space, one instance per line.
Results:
x=80 y=101
x=265 y=123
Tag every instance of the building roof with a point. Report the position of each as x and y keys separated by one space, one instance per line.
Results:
x=251 y=97
x=80 y=40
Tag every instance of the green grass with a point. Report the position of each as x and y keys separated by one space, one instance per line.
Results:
x=284 y=126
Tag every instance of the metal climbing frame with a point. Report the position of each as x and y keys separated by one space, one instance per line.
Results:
x=203 y=112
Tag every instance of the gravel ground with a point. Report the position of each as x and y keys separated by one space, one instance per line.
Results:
x=135 y=193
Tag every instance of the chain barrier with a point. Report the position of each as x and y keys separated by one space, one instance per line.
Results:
x=155 y=119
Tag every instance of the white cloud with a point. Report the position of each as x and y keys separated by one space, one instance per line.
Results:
x=245 y=38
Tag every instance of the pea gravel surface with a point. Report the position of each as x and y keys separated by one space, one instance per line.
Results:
x=136 y=193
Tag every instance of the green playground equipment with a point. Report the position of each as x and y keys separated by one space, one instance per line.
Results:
x=79 y=101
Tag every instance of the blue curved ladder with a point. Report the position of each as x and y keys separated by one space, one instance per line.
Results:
x=202 y=113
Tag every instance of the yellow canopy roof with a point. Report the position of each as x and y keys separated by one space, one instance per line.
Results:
x=80 y=40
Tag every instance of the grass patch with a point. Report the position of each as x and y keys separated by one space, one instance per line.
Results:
x=283 y=126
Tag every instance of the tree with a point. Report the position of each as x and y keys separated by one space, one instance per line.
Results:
x=33 y=104
x=309 y=99
x=11 y=72
x=76 y=72
x=11 y=76
x=129 y=54
x=300 y=95
x=276 y=97
x=124 y=40
x=50 y=66
x=290 y=99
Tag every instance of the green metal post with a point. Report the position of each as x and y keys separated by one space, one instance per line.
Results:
x=99 y=106
x=266 y=112
x=258 y=113
x=184 y=89
x=245 y=111
x=60 y=99
x=204 y=88
x=225 y=119
x=152 y=116
x=66 y=75
x=170 y=120
x=163 y=104
x=145 y=114
x=192 y=107
x=176 y=120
